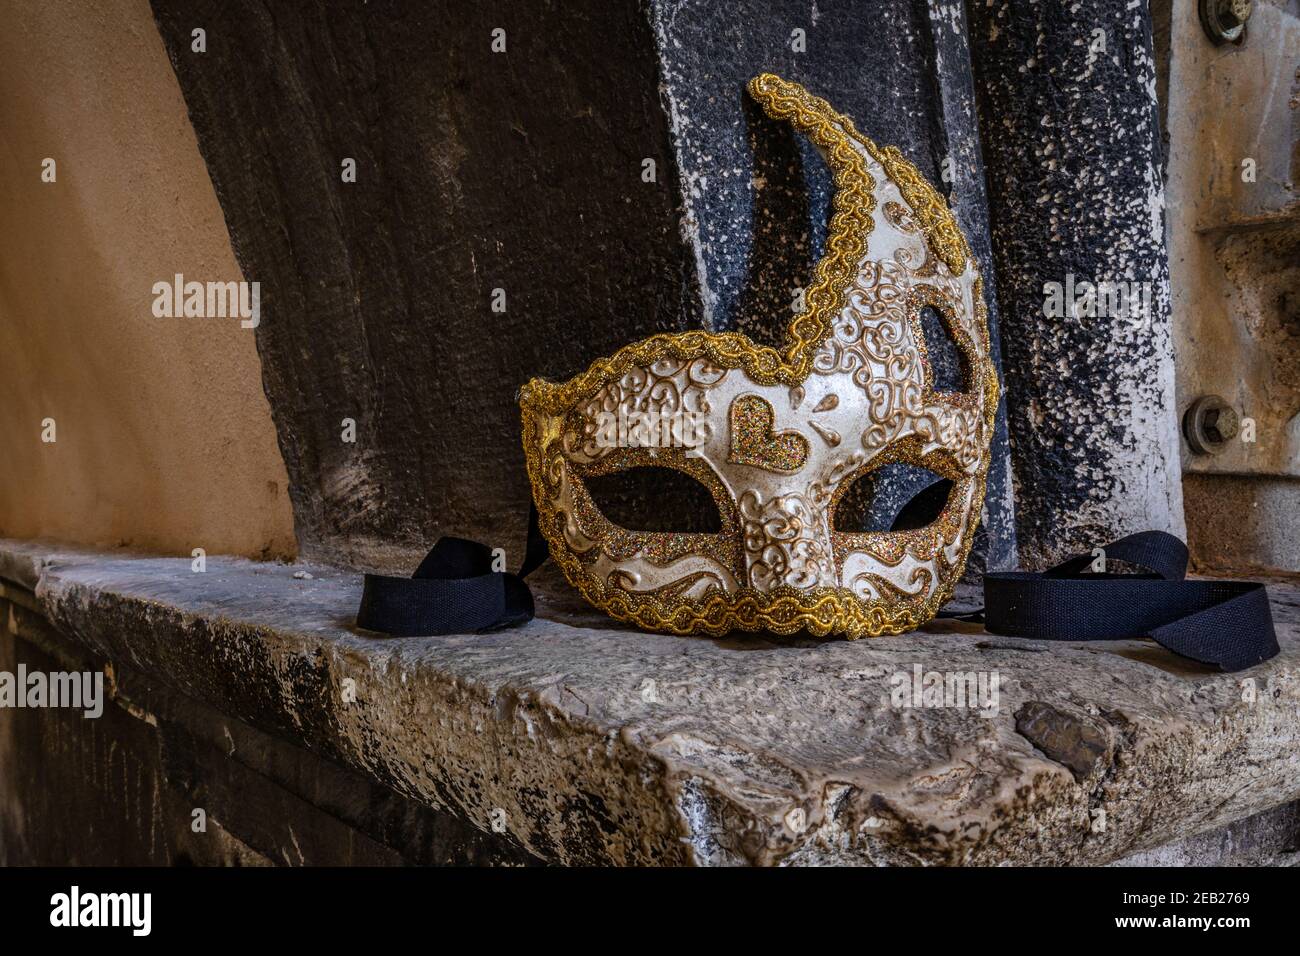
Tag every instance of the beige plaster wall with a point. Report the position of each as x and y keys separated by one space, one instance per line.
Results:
x=1234 y=263
x=164 y=435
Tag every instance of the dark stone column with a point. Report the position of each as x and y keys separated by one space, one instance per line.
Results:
x=476 y=171
x=1072 y=146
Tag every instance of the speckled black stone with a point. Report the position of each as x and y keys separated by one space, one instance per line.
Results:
x=1072 y=146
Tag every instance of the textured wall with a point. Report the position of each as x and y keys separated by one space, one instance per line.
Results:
x=521 y=170
x=1071 y=140
x=164 y=437
x=476 y=171
x=1234 y=256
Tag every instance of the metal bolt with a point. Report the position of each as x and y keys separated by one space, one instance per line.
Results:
x=1225 y=20
x=1221 y=425
x=1209 y=424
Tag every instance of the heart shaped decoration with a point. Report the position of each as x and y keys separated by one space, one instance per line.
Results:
x=753 y=442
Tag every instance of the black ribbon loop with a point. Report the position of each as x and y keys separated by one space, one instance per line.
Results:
x=453 y=591
x=1224 y=623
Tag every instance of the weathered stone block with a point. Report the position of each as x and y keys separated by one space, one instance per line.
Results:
x=594 y=743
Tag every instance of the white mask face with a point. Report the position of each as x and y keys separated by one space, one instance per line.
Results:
x=778 y=437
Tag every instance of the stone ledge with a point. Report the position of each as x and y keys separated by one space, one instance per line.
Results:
x=603 y=744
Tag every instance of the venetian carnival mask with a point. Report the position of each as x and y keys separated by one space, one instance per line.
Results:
x=779 y=436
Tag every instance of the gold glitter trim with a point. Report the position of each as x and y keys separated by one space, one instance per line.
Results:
x=755 y=441
x=931 y=209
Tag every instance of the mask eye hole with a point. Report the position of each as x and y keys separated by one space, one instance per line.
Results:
x=947 y=364
x=873 y=502
x=651 y=499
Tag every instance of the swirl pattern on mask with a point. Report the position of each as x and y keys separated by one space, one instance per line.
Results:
x=784 y=542
x=673 y=392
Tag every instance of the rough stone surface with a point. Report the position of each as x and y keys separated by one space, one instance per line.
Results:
x=600 y=744
x=123 y=789
x=1083 y=744
x=1072 y=145
x=1243 y=523
x=1271 y=838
